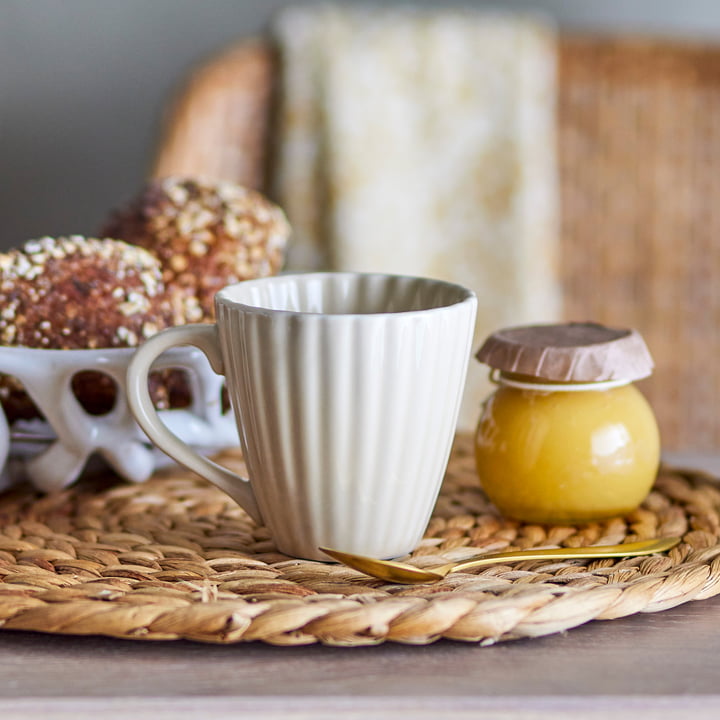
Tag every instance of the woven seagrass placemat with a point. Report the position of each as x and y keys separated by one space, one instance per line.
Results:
x=174 y=558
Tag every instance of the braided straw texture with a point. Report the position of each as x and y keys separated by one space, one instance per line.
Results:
x=174 y=558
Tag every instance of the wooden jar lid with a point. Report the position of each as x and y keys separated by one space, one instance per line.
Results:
x=568 y=352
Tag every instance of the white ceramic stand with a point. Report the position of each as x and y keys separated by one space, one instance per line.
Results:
x=53 y=454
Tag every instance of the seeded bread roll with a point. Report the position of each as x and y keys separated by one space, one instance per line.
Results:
x=206 y=234
x=75 y=293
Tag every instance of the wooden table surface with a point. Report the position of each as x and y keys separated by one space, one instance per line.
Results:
x=664 y=665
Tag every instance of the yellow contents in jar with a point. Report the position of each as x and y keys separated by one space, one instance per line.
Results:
x=565 y=457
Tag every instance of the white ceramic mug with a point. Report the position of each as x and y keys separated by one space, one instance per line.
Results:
x=346 y=389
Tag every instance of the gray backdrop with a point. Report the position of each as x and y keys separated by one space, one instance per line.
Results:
x=83 y=84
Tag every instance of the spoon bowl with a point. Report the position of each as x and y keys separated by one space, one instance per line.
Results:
x=402 y=573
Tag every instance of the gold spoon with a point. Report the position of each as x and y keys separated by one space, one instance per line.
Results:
x=398 y=572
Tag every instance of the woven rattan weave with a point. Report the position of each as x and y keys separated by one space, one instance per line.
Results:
x=638 y=150
x=174 y=558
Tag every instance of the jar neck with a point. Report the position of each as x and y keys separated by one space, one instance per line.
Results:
x=499 y=378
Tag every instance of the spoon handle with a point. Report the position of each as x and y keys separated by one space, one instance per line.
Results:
x=643 y=547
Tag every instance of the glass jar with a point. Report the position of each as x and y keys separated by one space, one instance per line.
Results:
x=566 y=437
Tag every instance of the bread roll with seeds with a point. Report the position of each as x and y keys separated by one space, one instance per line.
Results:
x=74 y=292
x=206 y=234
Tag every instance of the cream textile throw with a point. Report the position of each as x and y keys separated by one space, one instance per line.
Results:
x=423 y=143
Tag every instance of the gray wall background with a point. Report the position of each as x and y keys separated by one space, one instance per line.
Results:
x=83 y=84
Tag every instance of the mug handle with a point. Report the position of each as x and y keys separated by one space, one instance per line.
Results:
x=204 y=337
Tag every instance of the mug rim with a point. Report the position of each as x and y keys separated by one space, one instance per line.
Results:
x=465 y=295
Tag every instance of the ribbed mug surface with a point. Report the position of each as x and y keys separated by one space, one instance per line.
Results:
x=346 y=389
